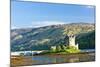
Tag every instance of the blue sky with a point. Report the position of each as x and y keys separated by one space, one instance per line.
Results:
x=32 y=14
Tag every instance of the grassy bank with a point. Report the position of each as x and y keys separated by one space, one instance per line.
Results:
x=20 y=61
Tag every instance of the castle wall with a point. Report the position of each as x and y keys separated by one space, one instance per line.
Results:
x=72 y=41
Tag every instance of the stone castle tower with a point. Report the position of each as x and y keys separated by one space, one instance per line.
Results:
x=72 y=41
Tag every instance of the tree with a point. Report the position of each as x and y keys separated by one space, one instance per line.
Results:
x=63 y=47
x=73 y=30
x=58 y=48
x=53 y=48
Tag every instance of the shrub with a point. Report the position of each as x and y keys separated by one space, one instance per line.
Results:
x=58 y=48
x=63 y=48
x=21 y=54
x=53 y=49
x=72 y=49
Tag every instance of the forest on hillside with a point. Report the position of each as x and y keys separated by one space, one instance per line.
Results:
x=43 y=38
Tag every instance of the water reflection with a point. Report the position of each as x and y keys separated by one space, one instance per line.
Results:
x=51 y=59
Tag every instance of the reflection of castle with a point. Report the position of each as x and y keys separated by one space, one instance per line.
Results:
x=72 y=41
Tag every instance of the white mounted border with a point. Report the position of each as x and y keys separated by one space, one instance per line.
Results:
x=82 y=2
x=5 y=33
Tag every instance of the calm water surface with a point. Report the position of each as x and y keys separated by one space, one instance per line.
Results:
x=52 y=59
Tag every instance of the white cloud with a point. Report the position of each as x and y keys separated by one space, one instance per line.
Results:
x=89 y=6
x=36 y=24
x=13 y=27
x=19 y=27
x=45 y=23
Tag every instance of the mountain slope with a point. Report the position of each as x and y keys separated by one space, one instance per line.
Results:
x=44 y=37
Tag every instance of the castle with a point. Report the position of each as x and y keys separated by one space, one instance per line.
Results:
x=72 y=41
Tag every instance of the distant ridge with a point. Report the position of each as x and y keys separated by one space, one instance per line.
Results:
x=43 y=38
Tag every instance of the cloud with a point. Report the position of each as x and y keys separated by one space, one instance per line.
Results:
x=14 y=27
x=21 y=27
x=45 y=23
x=89 y=6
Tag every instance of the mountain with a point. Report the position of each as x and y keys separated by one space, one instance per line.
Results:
x=43 y=38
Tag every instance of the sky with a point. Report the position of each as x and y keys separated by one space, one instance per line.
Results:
x=35 y=14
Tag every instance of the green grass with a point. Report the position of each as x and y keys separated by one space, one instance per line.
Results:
x=72 y=49
x=58 y=50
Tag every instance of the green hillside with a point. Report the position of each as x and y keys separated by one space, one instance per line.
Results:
x=43 y=38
